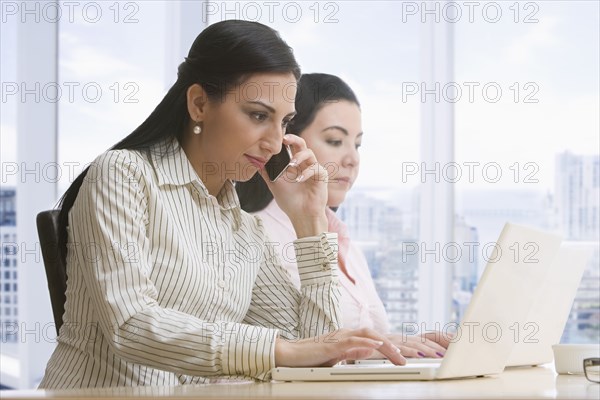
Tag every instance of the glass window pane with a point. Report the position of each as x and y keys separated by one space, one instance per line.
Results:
x=112 y=75
x=8 y=164
x=527 y=135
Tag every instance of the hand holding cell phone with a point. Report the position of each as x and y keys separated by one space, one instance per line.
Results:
x=302 y=195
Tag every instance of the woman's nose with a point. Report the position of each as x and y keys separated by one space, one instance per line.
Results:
x=274 y=140
x=351 y=157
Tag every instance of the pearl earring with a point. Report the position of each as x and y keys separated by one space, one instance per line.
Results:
x=197 y=128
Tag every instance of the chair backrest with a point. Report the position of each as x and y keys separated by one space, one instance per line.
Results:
x=56 y=269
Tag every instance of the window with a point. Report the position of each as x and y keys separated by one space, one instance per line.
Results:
x=531 y=135
x=116 y=66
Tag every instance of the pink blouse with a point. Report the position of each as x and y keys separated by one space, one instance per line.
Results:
x=361 y=306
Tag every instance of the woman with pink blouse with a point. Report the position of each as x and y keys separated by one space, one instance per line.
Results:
x=329 y=120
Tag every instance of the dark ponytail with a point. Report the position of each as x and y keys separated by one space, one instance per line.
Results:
x=314 y=91
x=223 y=56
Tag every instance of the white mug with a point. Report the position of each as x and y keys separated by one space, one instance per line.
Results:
x=568 y=358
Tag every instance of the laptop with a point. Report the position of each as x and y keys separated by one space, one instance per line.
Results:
x=545 y=324
x=546 y=321
x=506 y=293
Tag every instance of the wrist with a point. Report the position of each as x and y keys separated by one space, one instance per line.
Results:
x=309 y=226
x=282 y=353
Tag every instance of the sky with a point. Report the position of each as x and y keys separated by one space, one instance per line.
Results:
x=546 y=52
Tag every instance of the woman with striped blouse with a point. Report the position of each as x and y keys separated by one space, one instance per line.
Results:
x=169 y=281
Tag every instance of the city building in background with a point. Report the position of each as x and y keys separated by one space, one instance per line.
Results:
x=577 y=193
x=577 y=182
x=381 y=229
x=9 y=310
x=465 y=274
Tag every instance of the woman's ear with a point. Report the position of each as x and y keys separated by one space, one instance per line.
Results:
x=197 y=100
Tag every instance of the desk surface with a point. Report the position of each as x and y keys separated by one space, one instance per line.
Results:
x=529 y=383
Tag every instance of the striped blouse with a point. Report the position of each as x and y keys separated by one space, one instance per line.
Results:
x=169 y=285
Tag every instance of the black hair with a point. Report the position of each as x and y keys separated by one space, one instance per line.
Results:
x=314 y=92
x=223 y=56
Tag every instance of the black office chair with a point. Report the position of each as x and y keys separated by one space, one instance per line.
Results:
x=56 y=268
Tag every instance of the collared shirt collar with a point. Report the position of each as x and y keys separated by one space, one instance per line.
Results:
x=172 y=165
x=174 y=168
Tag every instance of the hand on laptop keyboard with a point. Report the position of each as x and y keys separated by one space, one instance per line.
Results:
x=331 y=348
x=430 y=344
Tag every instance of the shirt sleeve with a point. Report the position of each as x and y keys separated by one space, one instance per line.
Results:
x=108 y=225
x=310 y=311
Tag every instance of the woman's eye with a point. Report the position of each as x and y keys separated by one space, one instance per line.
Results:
x=358 y=145
x=285 y=123
x=335 y=143
x=258 y=116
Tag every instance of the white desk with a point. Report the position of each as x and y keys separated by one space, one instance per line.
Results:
x=528 y=383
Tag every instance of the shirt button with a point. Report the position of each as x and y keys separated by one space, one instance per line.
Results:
x=221 y=283
x=325 y=265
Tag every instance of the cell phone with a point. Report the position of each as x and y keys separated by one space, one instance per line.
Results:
x=278 y=163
